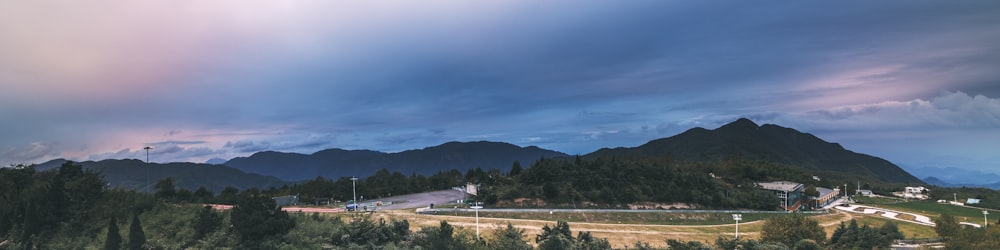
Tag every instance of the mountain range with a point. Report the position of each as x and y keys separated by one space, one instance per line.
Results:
x=335 y=163
x=136 y=174
x=741 y=139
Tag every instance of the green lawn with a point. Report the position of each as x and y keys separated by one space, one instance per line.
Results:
x=875 y=200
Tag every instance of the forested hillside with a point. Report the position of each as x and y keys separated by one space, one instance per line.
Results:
x=744 y=139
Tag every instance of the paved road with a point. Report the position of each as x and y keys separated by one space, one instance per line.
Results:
x=419 y=200
x=542 y=210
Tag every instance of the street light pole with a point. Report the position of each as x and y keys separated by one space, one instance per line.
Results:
x=985 y=222
x=737 y=218
x=477 y=207
x=147 y=148
x=354 y=187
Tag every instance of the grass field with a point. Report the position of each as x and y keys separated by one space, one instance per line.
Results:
x=875 y=200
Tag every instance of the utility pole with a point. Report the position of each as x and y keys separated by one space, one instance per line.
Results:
x=147 y=148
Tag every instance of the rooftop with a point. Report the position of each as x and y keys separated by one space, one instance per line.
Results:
x=824 y=191
x=786 y=186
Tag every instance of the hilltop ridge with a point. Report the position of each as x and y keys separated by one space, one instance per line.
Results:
x=745 y=139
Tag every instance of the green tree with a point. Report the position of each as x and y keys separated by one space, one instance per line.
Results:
x=639 y=245
x=789 y=230
x=807 y=244
x=256 y=219
x=889 y=232
x=585 y=241
x=441 y=237
x=515 y=169
x=946 y=226
x=732 y=243
x=551 y=191
x=201 y=195
x=976 y=238
x=113 y=241
x=864 y=237
x=136 y=237
x=686 y=245
x=558 y=237
x=206 y=221
x=811 y=191
x=165 y=189
x=509 y=238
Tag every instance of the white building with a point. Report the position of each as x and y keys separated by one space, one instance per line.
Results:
x=913 y=193
x=915 y=190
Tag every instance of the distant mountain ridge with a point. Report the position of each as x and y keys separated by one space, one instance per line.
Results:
x=955 y=175
x=745 y=139
x=941 y=183
x=742 y=139
x=132 y=174
x=336 y=163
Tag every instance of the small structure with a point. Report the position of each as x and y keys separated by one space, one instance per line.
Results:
x=286 y=200
x=864 y=192
x=788 y=192
x=323 y=201
x=972 y=201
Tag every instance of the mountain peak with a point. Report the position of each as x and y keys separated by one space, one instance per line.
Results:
x=742 y=123
x=771 y=143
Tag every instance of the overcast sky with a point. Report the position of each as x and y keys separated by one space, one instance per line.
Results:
x=915 y=82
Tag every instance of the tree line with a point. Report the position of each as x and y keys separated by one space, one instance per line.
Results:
x=566 y=182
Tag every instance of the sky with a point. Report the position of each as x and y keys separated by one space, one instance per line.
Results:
x=914 y=82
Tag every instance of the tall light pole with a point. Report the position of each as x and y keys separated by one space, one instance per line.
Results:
x=737 y=218
x=985 y=222
x=354 y=186
x=147 y=148
x=477 y=207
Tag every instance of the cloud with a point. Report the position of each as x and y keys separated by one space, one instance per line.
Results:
x=949 y=110
x=168 y=143
x=246 y=146
x=27 y=154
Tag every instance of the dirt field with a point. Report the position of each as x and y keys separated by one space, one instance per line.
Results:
x=619 y=235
